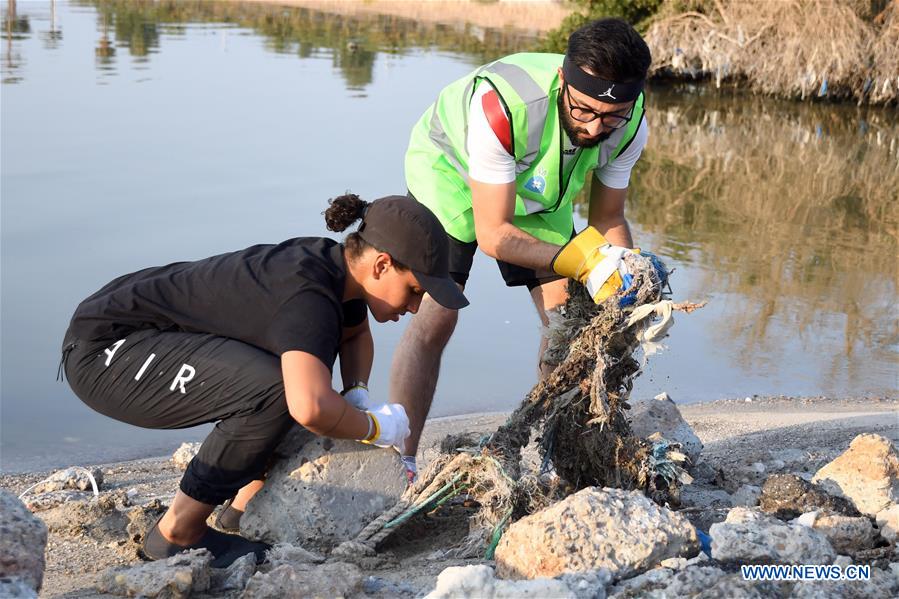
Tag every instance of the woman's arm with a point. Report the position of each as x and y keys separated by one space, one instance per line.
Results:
x=357 y=353
x=314 y=404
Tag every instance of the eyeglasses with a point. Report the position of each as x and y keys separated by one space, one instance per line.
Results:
x=611 y=120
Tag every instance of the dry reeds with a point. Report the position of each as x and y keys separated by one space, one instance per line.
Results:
x=884 y=86
x=789 y=48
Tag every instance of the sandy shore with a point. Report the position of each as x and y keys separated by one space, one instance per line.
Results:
x=736 y=434
x=528 y=15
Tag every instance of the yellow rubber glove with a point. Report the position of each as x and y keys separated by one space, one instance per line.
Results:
x=593 y=261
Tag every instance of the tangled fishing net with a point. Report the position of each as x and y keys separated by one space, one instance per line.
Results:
x=576 y=415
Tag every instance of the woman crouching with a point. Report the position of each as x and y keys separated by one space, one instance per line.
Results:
x=247 y=340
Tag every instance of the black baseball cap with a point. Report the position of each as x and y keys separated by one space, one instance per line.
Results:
x=412 y=235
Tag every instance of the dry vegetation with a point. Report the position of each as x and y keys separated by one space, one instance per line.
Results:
x=790 y=48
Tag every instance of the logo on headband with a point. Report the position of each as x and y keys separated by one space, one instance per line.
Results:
x=608 y=93
x=593 y=85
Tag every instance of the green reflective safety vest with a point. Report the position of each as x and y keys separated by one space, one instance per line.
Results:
x=528 y=87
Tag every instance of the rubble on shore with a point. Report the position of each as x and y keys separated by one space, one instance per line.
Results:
x=797 y=521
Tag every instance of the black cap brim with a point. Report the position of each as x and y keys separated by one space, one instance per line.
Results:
x=445 y=291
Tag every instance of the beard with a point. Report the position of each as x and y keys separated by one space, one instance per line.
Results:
x=576 y=134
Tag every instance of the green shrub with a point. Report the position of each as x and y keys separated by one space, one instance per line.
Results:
x=635 y=12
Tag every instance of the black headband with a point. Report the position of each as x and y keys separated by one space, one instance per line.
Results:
x=598 y=88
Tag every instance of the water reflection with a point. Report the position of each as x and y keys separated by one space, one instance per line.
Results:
x=53 y=36
x=15 y=28
x=105 y=50
x=353 y=42
x=790 y=208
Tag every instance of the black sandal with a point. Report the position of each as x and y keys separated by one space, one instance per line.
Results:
x=225 y=548
x=228 y=518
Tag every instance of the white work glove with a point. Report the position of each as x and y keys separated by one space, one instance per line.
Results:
x=357 y=396
x=391 y=426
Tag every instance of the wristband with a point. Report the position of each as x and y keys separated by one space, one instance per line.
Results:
x=353 y=385
x=374 y=429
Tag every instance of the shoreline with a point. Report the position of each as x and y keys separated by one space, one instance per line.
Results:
x=539 y=16
x=775 y=434
x=441 y=424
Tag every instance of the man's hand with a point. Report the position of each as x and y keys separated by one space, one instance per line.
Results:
x=390 y=426
x=593 y=261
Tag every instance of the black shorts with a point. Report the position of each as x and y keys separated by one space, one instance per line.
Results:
x=169 y=380
x=462 y=256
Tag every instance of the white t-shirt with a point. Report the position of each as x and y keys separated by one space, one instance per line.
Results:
x=489 y=162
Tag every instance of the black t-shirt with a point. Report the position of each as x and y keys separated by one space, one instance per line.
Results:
x=276 y=297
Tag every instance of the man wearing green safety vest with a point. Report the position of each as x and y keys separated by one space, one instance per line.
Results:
x=499 y=157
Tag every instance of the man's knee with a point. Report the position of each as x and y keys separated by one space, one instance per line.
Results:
x=433 y=325
x=549 y=297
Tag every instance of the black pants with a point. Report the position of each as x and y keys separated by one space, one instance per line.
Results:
x=171 y=380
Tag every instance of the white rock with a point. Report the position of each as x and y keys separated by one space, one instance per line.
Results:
x=622 y=531
x=867 y=473
x=789 y=455
x=695 y=581
x=657 y=577
x=479 y=582
x=285 y=553
x=807 y=519
x=23 y=538
x=747 y=496
x=178 y=576
x=751 y=537
x=16 y=588
x=235 y=576
x=184 y=454
x=324 y=493
x=51 y=499
x=888 y=522
x=846 y=534
x=882 y=584
x=660 y=415
x=842 y=561
x=71 y=478
x=674 y=563
x=334 y=579
x=740 y=515
x=698 y=560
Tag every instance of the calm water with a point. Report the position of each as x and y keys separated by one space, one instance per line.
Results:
x=140 y=134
